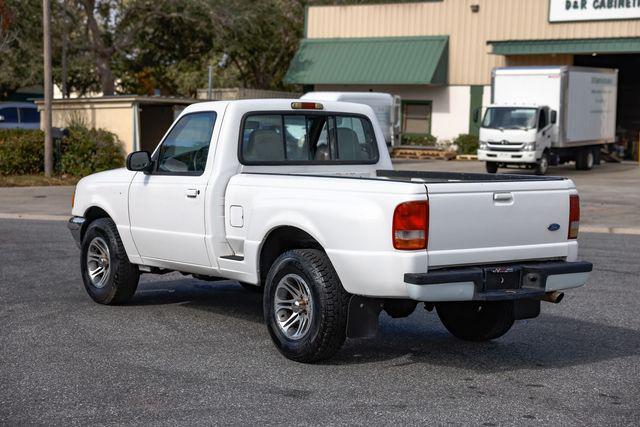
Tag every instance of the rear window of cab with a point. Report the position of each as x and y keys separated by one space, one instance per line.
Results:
x=307 y=138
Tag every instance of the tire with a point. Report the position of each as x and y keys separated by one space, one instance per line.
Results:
x=542 y=165
x=323 y=332
x=585 y=159
x=477 y=321
x=492 y=167
x=119 y=278
x=252 y=288
x=597 y=157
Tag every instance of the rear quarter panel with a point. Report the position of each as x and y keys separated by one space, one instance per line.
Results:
x=350 y=218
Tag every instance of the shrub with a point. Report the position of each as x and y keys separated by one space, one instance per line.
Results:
x=428 y=140
x=85 y=151
x=21 y=152
x=467 y=144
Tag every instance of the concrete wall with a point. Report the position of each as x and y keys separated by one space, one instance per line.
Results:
x=470 y=62
x=449 y=108
x=115 y=117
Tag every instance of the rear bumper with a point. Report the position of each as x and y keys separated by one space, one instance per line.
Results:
x=504 y=282
x=75 y=225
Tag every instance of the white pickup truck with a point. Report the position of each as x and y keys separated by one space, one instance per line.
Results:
x=299 y=200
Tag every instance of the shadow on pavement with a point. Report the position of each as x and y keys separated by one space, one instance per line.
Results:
x=550 y=341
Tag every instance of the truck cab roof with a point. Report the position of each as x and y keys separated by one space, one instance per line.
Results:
x=249 y=105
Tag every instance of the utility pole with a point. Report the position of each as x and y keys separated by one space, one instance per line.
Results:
x=65 y=46
x=48 y=88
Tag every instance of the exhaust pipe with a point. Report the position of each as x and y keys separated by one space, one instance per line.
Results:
x=554 y=297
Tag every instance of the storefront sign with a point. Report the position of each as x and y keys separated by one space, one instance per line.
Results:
x=593 y=10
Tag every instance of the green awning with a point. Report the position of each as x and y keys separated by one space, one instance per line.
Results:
x=389 y=60
x=568 y=46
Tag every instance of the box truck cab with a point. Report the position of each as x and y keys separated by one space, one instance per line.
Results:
x=541 y=116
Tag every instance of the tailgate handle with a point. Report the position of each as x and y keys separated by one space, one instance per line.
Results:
x=502 y=197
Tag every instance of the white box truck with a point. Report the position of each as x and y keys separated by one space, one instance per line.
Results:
x=541 y=116
x=384 y=105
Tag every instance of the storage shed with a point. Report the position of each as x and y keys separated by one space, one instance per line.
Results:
x=138 y=121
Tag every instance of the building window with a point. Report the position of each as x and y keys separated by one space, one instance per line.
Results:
x=416 y=117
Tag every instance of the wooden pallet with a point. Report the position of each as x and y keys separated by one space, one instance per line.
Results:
x=422 y=153
x=466 y=157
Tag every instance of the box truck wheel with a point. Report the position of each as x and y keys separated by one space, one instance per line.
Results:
x=492 y=167
x=542 y=164
x=585 y=159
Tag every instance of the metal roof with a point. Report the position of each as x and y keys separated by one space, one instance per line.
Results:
x=566 y=46
x=388 y=60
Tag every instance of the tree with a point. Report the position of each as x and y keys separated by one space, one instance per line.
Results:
x=259 y=38
x=21 y=42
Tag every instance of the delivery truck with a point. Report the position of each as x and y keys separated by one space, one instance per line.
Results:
x=384 y=105
x=545 y=116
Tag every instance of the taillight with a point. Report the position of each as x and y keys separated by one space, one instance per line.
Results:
x=574 y=216
x=411 y=225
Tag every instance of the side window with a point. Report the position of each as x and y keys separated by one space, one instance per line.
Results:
x=311 y=138
x=29 y=115
x=355 y=139
x=262 y=138
x=542 y=118
x=10 y=114
x=185 y=149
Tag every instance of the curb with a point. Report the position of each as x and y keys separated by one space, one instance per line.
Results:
x=35 y=217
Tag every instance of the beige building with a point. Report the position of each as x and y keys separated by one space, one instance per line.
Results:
x=138 y=121
x=438 y=55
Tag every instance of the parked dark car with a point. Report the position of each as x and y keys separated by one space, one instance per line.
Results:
x=19 y=115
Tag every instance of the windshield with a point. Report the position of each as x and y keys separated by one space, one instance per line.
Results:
x=509 y=118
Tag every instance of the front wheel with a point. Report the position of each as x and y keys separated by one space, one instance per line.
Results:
x=542 y=165
x=305 y=306
x=492 y=167
x=108 y=276
x=477 y=321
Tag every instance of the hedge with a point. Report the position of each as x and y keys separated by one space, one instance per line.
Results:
x=82 y=152
x=467 y=144
x=21 y=152
x=426 y=140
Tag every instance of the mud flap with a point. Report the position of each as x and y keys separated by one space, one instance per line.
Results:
x=362 y=321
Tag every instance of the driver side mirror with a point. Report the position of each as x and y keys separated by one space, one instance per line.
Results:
x=139 y=161
x=476 y=115
x=554 y=117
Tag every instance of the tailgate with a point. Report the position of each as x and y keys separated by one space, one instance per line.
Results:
x=486 y=222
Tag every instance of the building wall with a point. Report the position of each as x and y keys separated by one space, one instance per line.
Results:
x=115 y=117
x=449 y=104
x=469 y=60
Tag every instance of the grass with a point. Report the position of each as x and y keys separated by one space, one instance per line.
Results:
x=35 y=180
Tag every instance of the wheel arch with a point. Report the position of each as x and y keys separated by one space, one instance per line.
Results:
x=279 y=240
x=91 y=214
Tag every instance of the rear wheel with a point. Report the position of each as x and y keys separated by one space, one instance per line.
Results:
x=305 y=306
x=492 y=167
x=585 y=159
x=108 y=276
x=477 y=321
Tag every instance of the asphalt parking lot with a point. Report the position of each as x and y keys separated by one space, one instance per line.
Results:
x=192 y=352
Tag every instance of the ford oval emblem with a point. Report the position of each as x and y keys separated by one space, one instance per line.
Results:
x=553 y=227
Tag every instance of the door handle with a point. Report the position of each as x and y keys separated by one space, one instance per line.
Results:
x=192 y=193
x=502 y=197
